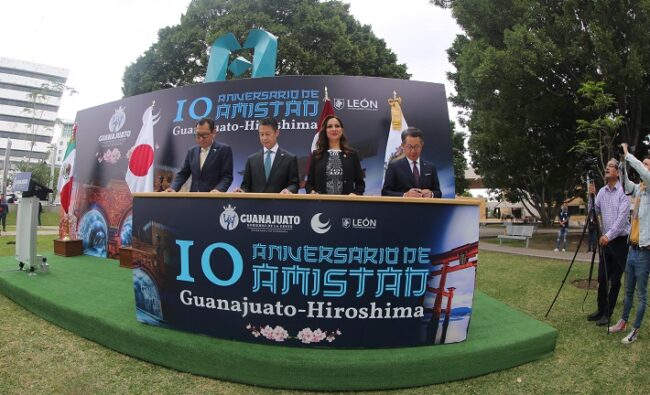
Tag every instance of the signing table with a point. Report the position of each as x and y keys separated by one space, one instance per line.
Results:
x=306 y=270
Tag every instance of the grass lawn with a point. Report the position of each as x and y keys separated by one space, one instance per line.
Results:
x=47 y=219
x=38 y=357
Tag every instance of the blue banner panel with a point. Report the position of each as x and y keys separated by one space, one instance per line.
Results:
x=306 y=271
x=106 y=136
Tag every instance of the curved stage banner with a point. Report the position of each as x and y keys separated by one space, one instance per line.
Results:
x=301 y=271
x=106 y=136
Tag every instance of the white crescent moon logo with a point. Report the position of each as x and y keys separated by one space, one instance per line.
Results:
x=318 y=226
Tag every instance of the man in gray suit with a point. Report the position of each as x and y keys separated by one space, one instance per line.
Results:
x=209 y=162
x=272 y=169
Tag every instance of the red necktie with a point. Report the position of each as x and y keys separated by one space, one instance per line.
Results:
x=416 y=174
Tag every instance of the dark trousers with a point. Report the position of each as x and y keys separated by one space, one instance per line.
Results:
x=3 y=220
x=615 y=253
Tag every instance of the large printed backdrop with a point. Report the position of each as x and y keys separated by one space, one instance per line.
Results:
x=107 y=133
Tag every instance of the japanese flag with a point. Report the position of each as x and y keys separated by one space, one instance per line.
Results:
x=139 y=175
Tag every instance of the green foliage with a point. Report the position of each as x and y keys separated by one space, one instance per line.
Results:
x=460 y=162
x=597 y=136
x=314 y=38
x=519 y=69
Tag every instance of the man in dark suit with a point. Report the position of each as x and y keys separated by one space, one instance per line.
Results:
x=272 y=169
x=209 y=163
x=411 y=176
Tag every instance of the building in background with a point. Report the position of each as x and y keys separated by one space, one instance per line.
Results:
x=30 y=96
x=62 y=135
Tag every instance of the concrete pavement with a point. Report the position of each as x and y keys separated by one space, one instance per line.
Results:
x=41 y=230
x=493 y=231
x=563 y=256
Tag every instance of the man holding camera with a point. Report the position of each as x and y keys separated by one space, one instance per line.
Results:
x=612 y=205
x=638 y=258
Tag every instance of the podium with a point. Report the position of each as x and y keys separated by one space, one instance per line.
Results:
x=27 y=221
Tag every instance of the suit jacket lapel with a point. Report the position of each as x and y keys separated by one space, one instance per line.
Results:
x=279 y=157
x=259 y=165
x=409 y=171
x=211 y=155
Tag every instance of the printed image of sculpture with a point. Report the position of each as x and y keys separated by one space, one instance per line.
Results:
x=93 y=230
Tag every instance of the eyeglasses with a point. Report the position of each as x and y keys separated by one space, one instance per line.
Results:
x=415 y=147
x=202 y=135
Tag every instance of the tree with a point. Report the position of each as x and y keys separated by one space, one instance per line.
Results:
x=519 y=69
x=596 y=137
x=37 y=98
x=460 y=161
x=314 y=38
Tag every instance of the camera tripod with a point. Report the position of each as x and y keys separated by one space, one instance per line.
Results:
x=591 y=217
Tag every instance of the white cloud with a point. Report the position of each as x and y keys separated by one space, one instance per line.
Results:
x=96 y=40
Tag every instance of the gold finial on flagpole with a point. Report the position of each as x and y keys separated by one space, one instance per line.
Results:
x=396 y=111
x=153 y=103
x=327 y=97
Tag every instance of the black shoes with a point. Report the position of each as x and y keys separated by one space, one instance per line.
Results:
x=604 y=320
x=600 y=318
x=595 y=316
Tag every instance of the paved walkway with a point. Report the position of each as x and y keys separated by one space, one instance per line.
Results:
x=493 y=231
x=564 y=256
x=41 y=230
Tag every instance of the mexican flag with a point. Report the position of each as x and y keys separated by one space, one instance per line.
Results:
x=66 y=174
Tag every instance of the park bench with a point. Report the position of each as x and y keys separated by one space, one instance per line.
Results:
x=517 y=232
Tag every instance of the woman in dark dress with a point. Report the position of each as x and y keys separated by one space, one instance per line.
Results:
x=335 y=168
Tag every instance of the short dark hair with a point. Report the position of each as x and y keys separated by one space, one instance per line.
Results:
x=270 y=121
x=209 y=121
x=412 y=132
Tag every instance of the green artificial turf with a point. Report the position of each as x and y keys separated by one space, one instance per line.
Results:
x=94 y=298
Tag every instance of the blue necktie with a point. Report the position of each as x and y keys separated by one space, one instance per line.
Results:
x=267 y=164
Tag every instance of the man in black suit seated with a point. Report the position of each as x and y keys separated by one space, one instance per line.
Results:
x=209 y=162
x=272 y=169
x=411 y=176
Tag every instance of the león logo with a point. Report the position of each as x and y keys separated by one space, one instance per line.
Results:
x=318 y=226
x=229 y=218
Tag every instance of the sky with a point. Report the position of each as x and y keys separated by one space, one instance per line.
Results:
x=96 y=40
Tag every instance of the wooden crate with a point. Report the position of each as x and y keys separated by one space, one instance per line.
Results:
x=68 y=247
x=126 y=257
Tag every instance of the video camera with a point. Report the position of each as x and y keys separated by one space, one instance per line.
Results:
x=589 y=165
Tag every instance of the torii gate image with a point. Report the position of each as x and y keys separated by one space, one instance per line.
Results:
x=459 y=258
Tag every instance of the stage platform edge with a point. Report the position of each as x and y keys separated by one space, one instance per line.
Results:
x=93 y=297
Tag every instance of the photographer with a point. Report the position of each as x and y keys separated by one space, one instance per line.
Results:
x=612 y=205
x=638 y=258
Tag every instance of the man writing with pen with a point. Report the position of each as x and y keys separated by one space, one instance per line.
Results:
x=411 y=176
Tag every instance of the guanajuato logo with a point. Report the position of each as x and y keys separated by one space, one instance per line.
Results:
x=115 y=124
x=258 y=222
x=229 y=218
x=117 y=120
